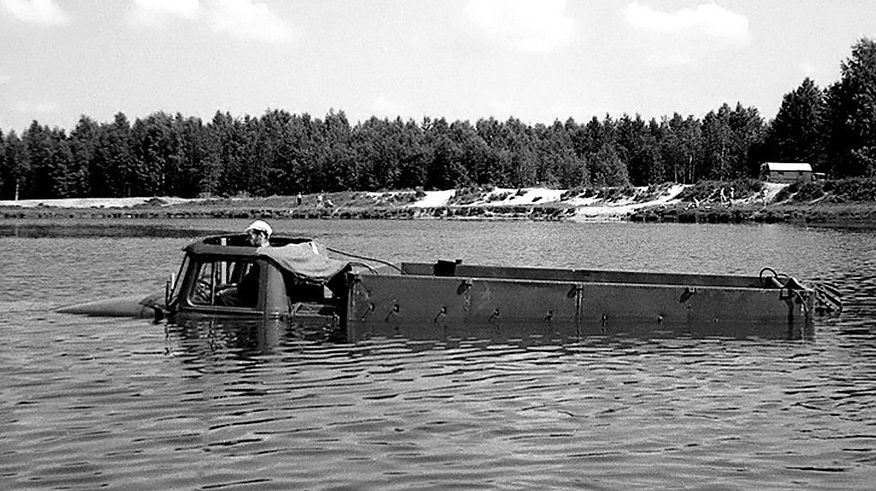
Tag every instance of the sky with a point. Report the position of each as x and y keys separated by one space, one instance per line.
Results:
x=537 y=61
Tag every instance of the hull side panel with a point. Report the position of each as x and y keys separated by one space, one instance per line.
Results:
x=428 y=307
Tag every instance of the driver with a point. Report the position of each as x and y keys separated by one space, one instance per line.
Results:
x=246 y=293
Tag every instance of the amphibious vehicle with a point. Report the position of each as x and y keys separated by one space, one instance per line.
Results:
x=300 y=282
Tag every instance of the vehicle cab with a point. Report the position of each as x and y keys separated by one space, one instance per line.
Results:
x=226 y=278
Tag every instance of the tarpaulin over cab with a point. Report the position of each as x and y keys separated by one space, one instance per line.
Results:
x=307 y=261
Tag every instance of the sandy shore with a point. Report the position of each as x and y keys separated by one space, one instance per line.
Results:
x=639 y=204
x=586 y=208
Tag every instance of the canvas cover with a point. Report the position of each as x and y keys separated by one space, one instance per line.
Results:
x=308 y=261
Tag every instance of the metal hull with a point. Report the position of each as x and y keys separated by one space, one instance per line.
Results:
x=449 y=300
x=510 y=303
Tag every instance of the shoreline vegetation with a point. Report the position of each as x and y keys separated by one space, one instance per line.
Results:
x=849 y=202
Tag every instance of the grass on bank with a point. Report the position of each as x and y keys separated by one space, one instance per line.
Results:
x=752 y=200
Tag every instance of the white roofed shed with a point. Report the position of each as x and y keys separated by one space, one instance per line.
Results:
x=785 y=171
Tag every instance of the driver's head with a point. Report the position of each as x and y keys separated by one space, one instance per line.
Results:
x=259 y=233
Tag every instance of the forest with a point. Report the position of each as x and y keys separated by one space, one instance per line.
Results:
x=280 y=153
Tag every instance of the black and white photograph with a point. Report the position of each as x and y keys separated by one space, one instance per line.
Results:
x=438 y=244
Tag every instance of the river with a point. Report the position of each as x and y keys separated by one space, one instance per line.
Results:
x=92 y=403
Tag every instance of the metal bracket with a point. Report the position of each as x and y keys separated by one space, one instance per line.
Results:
x=394 y=311
x=371 y=308
x=688 y=292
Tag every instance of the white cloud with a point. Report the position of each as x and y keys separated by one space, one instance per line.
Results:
x=5 y=79
x=533 y=26
x=247 y=19
x=43 y=12
x=154 y=11
x=687 y=36
x=242 y=19
x=37 y=108
x=670 y=59
x=707 y=20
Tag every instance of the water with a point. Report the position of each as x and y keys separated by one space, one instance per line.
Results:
x=116 y=403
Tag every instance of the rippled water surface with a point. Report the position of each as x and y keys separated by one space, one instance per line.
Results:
x=90 y=403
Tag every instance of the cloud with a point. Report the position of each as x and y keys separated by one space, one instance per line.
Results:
x=706 y=20
x=246 y=19
x=670 y=59
x=38 y=108
x=243 y=19
x=686 y=36
x=530 y=26
x=154 y=11
x=42 y=12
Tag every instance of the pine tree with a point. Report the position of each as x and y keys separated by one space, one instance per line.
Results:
x=48 y=158
x=15 y=167
x=84 y=140
x=3 y=164
x=850 y=115
x=794 y=135
x=112 y=173
x=607 y=169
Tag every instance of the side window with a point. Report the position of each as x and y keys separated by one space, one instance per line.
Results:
x=227 y=283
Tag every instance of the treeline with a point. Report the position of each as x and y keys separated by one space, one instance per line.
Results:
x=281 y=153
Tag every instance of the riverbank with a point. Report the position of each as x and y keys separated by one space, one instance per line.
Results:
x=848 y=202
x=845 y=215
x=467 y=203
x=703 y=203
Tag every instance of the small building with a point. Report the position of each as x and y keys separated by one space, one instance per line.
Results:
x=785 y=172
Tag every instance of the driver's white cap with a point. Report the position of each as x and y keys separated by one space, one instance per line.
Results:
x=260 y=226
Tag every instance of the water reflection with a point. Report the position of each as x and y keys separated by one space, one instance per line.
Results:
x=526 y=334
x=208 y=336
x=197 y=340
